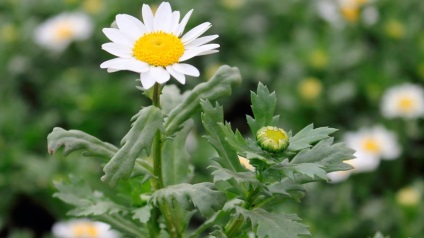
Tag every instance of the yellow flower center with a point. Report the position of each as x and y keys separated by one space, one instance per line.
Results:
x=406 y=104
x=64 y=31
x=371 y=145
x=350 y=13
x=310 y=88
x=158 y=49
x=275 y=135
x=84 y=230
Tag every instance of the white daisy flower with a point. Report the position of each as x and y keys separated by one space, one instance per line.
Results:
x=371 y=145
x=156 y=47
x=338 y=12
x=406 y=101
x=58 y=32
x=83 y=228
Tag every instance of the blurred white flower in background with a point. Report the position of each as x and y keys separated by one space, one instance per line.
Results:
x=371 y=145
x=156 y=47
x=405 y=101
x=82 y=228
x=338 y=12
x=58 y=32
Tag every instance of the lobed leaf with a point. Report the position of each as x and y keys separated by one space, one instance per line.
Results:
x=140 y=137
x=74 y=140
x=176 y=166
x=263 y=107
x=307 y=136
x=273 y=225
x=218 y=86
x=211 y=117
x=222 y=174
x=202 y=196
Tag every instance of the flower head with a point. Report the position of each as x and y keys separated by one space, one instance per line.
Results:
x=58 y=32
x=156 y=47
x=82 y=228
x=405 y=101
x=272 y=139
x=371 y=145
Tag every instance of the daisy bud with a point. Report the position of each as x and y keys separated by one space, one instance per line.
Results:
x=272 y=139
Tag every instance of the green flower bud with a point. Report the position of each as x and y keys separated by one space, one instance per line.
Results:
x=272 y=139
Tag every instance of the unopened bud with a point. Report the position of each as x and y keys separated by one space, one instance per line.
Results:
x=272 y=139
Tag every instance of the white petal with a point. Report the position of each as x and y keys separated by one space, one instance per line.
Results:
x=128 y=25
x=163 y=17
x=117 y=50
x=186 y=69
x=178 y=76
x=147 y=17
x=125 y=64
x=208 y=52
x=159 y=74
x=109 y=70
x=200 y=41
x=118 y=37
x=195 y=32
x=197 y=51
x=183 y=23
x=137 y=23
x=174 y=22
x=147 y=80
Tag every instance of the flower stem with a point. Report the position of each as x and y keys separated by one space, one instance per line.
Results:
x=233 y=227
x=157 y=183
x=157 y=145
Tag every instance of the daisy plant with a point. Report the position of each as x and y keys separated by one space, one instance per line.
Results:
x=147 y=189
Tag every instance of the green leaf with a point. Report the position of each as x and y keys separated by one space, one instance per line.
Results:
x=263 y=107
x=176 y=166
x=202 y=196
x=74 y=140
x=170 y=97
x=86 y=201
x=273 y=225
x=218 y=86
x=307 y=136
x=286 y=187
x=142 y=214
x=311 y=170
x=222 y=174
x=138 y=139
x=330 y=156
x=211 y=117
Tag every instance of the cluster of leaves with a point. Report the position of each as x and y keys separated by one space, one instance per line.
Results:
x=236 y=195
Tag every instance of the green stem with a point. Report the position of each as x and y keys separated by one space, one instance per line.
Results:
x=123 y=225
x=233 y=227
x=157 y=182
x=157 y=145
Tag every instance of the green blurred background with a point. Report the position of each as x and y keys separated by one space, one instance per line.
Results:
x=330 y=73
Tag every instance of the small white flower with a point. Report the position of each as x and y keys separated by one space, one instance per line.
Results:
x=371 y=145
x=156 y=47
x=406 y=101
x=59 y=31
x=83 y=228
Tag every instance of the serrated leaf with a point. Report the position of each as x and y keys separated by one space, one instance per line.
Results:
x=211 y=116
x=307 y=136
x=263 y=107
x=311 y=170
x=142 y=214
x=170 y=97
x=218 y=86
x=202 y=196
x=176 y=166
x=222 y=174
x=74 y=140
x=286 y=187
x=326 y=154
x=140 y=137
x=273 y=225
x=86 y=201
